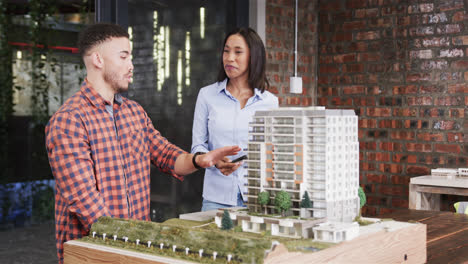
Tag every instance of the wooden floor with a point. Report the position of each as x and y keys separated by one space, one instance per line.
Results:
x=447 y=234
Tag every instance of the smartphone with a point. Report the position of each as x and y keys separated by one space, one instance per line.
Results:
x=239 y=159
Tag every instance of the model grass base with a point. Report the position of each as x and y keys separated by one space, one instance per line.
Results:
x=383 y=242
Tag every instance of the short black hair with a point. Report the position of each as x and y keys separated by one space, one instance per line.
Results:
x=98 y=33
x=257 y=62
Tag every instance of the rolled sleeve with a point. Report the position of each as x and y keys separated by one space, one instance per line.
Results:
x=163 y=153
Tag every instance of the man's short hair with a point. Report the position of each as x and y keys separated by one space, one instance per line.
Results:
x=98 y=33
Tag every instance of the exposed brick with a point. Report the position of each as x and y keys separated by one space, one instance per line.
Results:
x=369 y=56
x=406 y=112
x=445 y=125
x=374 y=90
x=364 y=101
x=432 y=65
x=418 y=147
x=393 y=10
x=344 y=58
x=434 y=18
x=412 y=101
x=432 y=42
x=457 y=112
x=383 y=211
x=325 y=59
x=323 y=101
x=384 y=22
x=337 y=101
x=448 y=29
x=326 y=91
x=450 y=5
x=358 y=46
x=369 y=210
x=449 y=101
x=342 y=16
x=437 y=137
x=404 y=158
x=402 y=135
x=322 y=80
x=421 y=8
x=362 y=13
x=449 y=76
x=399 y=202
x=390 y=146
x=378 y=156
x=460 y=65
x=341 y=79
x=376 y=178
x=393 y=190
x=398 y=179
x=337 y=37
x=354 y=25
x=367 y=166
x=460 y=16
x=455 y=137
x=447 y=148
x=466 y=76
x=408 y=89
x=375 y=200
x=432 y=112
x=421 y=54
x=418 y=77
x=379 y=112
x=367 y=145
x=390 y=123
x=451 y=53
x=353 y=4
x=403 y=21
x=460 y=40
x=349 y=68
x=367 y=35
x=330 y=6
x=390 y=101
x=421 y=31
x=329 y=69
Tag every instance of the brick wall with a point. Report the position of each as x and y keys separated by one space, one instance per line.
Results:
x=401 y=65
x=280 y=49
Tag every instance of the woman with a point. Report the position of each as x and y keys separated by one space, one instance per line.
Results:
x=223 y=112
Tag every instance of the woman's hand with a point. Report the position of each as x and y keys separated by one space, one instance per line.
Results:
x=226 y=167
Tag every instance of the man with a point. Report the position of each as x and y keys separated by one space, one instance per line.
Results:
x=100 y=144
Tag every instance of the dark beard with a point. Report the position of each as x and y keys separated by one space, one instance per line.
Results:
x=112 y=78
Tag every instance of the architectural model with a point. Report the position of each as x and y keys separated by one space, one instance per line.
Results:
x=308 y=155
x=299 y=150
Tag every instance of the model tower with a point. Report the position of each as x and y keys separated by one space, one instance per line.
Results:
x=305 y=149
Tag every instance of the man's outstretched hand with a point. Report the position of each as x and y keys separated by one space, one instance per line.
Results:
x=211 y=158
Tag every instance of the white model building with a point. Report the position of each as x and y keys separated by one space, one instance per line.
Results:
x=309 y=149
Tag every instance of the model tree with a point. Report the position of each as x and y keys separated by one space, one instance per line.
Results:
x=226 y=222
x=362 y=199
x=305 y=202
x=282 y=202
x=264 y=199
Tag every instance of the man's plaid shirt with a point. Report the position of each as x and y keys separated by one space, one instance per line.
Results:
x=101 y=163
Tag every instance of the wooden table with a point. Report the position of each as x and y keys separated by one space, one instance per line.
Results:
x=447 y=234
x=425 y=191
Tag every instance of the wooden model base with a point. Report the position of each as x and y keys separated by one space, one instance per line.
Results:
x=406 y=244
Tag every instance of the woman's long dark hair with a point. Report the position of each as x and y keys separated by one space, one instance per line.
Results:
x=257 y=61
